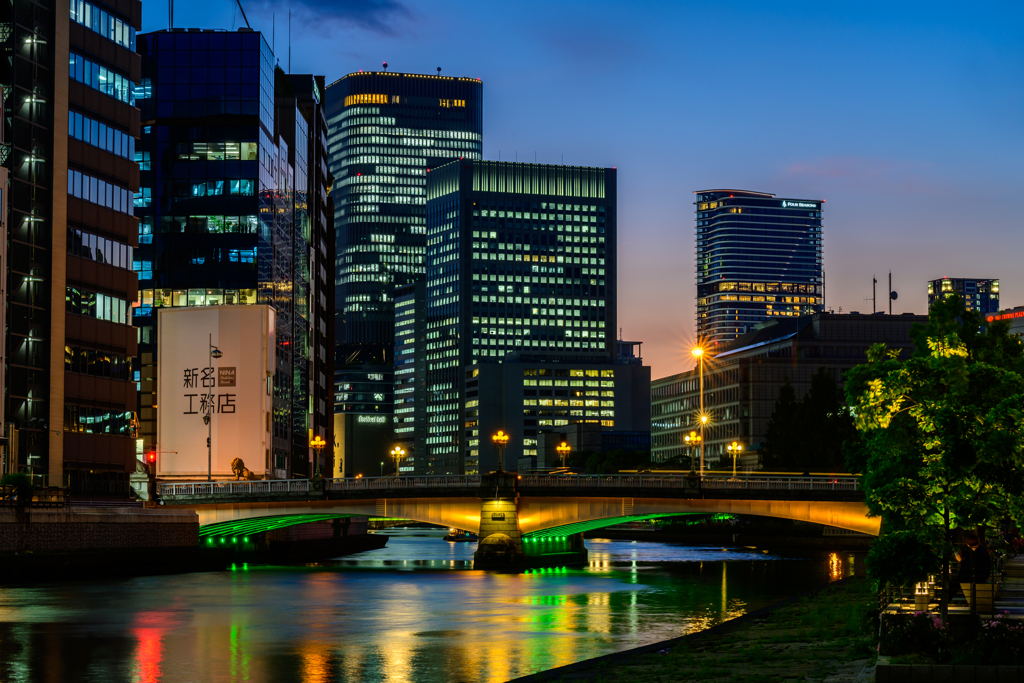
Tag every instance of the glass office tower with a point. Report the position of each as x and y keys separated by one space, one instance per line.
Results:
x=521 y=263
x=386 y=131
x=232 y=208
x=758 y=257
x=981 y=295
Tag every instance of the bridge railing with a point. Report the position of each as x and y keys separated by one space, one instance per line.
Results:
x=654 y=481
x=218 y=488
x=403 y=483
x=782 y=483
x=579 y=481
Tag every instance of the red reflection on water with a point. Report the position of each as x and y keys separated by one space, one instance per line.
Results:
x=149 y=629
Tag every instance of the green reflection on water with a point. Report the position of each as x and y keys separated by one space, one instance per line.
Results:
x=378 y=624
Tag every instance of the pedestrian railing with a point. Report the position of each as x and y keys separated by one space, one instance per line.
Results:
x=454 y=482
x=402 y=483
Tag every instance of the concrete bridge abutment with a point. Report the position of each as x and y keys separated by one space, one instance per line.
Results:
x=500 y=541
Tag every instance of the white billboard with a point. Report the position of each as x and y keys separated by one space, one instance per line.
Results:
x=235 y=390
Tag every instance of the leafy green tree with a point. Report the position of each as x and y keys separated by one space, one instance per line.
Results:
x=942 y=434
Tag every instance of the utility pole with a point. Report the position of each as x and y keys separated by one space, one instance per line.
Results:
x=890 y=292
x=874 y=305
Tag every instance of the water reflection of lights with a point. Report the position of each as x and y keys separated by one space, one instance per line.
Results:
x=149 y=632
x=835 y=567
x=384 y=621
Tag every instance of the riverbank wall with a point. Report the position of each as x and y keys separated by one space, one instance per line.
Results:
x=69 y=529
x=49 y=543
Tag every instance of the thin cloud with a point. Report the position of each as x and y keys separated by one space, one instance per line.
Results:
x=375 y=16
x=875 y=174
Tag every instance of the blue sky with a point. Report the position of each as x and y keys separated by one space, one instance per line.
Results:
x=907 y=118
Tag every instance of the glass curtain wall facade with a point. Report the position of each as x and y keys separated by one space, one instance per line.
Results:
x=225 y=212
x=386 y=131
x=70 y=408
x=977 y=294
x=520 y=267
x=758 y=257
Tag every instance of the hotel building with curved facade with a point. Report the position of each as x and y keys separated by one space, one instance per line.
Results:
x=759 y=257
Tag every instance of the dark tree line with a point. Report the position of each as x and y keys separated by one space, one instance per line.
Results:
x=808 y=435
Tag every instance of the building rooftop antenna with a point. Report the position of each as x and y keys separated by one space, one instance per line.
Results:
x=243 y=14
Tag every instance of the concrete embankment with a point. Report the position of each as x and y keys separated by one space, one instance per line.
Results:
x=52 y=543
x=80 y=542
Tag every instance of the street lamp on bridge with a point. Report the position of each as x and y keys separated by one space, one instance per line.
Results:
x=563 y=449
x=692 y=439
x=397 y=453
x=734 y=449
x=500 y=441
x=317 y=444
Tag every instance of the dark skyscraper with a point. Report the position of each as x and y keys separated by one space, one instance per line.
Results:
x=233 y=210
x=759 y=257
x=70 y=125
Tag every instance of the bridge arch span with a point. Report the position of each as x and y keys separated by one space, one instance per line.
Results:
x=537 y=514
x=460 y=513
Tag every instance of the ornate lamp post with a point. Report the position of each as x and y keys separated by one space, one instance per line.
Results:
x=500 y=441
x=397 y=453
x=692 y=439
x=734 y=449
x=563 y=449
x=317 y=444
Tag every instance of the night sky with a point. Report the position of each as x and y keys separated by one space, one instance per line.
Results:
x=908 y=119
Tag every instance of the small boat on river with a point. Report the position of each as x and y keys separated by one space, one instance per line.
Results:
x=460 y=536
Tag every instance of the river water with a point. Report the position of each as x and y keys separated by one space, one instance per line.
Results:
x=413 y=611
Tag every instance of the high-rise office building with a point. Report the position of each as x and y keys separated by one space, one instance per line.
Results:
x=234 y=209
x=386 y=131
x=69 y=127
x=977 y=294
x=520 y=272
x=7 y=465
x=758 y=257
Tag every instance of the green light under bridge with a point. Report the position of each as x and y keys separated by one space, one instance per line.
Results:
x=241 y=529
x=566 y=530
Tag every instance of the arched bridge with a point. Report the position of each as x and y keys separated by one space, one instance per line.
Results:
x=518 y=506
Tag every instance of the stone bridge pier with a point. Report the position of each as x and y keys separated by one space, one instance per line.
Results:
x=501 y=538
x=500 y=541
